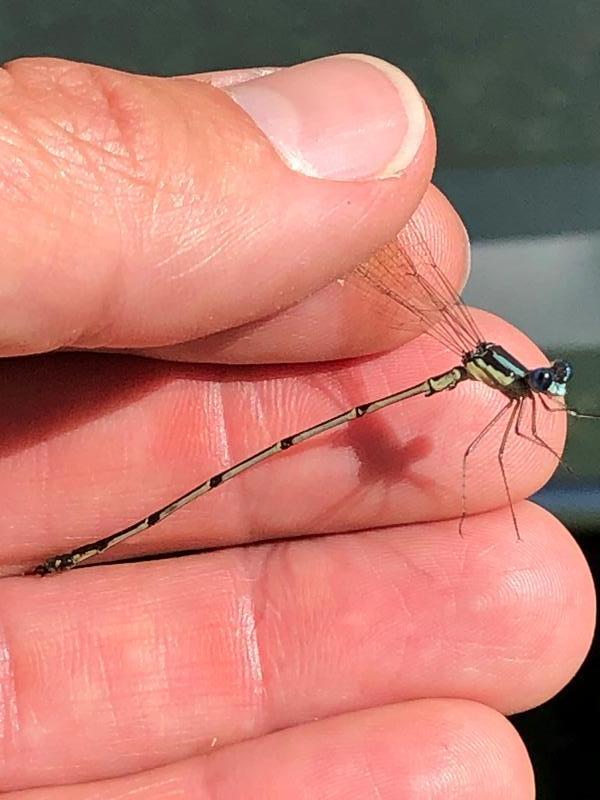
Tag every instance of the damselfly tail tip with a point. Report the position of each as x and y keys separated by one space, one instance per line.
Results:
x=52 y=566
x=41 y=570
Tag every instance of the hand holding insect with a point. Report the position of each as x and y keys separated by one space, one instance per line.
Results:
x=167 y=220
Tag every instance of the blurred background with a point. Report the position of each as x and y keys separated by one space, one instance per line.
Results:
x=515 y=91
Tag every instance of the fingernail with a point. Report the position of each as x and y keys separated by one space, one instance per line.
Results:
x=348 y=117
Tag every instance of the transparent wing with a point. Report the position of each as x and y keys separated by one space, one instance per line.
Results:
x=418 y=294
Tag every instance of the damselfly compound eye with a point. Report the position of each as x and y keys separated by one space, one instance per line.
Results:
x=541 y=379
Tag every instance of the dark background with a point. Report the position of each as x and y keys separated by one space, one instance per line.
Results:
x=514 y=88
x=510 y=83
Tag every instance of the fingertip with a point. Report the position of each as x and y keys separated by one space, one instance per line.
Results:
x=423 y=748
x=559 y=589
x=537 y=596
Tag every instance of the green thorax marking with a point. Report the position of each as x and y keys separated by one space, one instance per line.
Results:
x=495 y=367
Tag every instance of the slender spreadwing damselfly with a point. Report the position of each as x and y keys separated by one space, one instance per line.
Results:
x=407 y=276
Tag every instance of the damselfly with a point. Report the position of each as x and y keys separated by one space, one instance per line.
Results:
x=405 y=273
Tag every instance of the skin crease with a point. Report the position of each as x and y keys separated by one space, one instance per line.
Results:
x=377 y=660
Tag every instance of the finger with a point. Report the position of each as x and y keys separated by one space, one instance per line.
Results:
x=147 y=211
x=114 y=440
x=150 y=662
x=405 y=751
x=339 y=321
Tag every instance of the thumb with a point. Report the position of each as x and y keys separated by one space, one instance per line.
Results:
x=142 y=212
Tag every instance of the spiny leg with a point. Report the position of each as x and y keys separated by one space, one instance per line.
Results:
x=501 y=449
x=481 y=435
x=572 y=412
x=535 y=438
x=546 y=403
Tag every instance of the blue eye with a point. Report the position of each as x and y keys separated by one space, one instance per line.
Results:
x=541 y=379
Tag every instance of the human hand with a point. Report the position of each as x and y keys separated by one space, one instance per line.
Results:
x=153 y=216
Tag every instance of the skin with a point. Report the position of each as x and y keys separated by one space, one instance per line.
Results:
x=377 y=661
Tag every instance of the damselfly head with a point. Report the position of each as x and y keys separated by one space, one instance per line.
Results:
x=551 y=380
